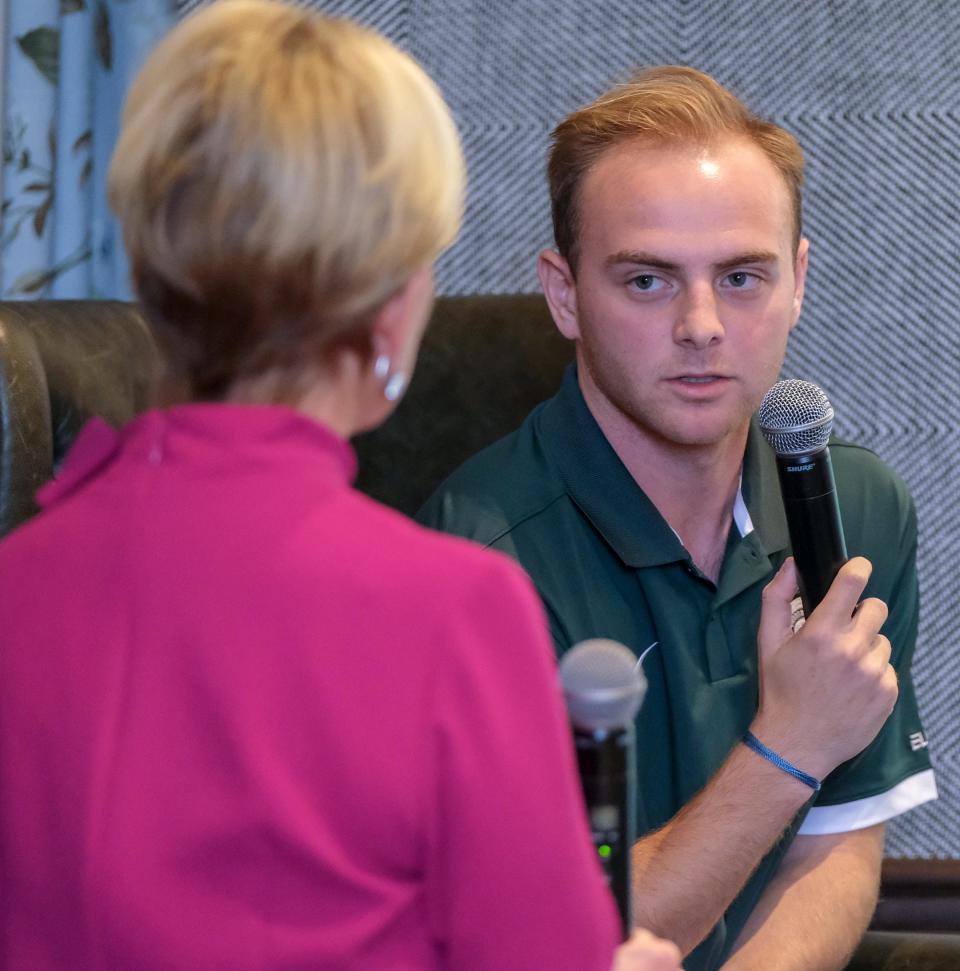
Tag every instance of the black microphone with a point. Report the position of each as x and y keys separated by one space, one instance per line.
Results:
x=795 y=418
x=604 y=687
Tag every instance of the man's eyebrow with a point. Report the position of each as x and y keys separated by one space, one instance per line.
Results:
x=639 y=258
x=743 y=259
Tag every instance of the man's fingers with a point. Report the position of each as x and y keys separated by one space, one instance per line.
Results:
x=888 y=683
x=880 y=651
x=870 y=614
x=844 y=594
x=884 y=649
x=775 y=617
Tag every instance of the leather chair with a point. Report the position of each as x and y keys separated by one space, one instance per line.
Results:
x=485 y=362
x=62 y=361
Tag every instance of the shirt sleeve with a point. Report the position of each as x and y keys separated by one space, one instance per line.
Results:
x=516 y=884
x=893 y=774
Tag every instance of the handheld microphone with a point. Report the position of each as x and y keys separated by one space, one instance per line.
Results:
x=604 y=689
x=795 y=418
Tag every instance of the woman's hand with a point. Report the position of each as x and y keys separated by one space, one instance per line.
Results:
x=644 y=952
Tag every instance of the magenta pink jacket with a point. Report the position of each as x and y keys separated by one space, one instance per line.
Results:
x=250 y=719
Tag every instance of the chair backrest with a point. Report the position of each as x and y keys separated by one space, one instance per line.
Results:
x=62 y=361
x=485 y=362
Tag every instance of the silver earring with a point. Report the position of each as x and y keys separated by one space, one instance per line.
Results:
x=395 y=386
x=381 y=367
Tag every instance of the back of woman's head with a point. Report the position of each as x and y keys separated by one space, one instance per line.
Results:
x=279 y=175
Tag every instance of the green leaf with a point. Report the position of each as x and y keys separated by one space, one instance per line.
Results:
x=103 y=36
x=40 y=216
x=83 y=141
x=12 y=139
x=72 y=6
x=42 y=46
x=32 y=281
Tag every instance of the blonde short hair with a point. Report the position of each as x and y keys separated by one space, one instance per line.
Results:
x=662 y=105
x=279 y=175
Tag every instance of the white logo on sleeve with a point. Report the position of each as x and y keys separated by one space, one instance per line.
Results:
x=917 y=741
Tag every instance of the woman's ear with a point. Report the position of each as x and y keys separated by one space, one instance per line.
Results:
x=399 y=324
x=397 y=331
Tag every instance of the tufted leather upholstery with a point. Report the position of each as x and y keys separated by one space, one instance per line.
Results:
x=485 y=362
x=62 y=361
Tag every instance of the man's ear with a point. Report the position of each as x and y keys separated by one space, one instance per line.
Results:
x=800 y=264
x=560 y=289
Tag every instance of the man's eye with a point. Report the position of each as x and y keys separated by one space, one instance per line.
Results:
x=741 y=280
x=647 y=282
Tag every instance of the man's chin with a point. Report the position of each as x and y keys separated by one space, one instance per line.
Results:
x=694 y=435
x=678 y=425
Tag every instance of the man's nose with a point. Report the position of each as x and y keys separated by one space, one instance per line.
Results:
x=698 y=321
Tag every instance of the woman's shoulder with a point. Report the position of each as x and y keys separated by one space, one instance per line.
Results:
x=427 y=554
x=448 y=595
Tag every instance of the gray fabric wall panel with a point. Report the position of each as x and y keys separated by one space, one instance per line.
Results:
x=872 y=90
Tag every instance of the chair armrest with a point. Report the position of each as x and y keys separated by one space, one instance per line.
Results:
x=920 y=896
x=891 y=951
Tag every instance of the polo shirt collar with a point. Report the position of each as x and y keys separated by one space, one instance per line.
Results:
x=758 y=514
x=606 y=493
x=760 y=487
x=599 y=483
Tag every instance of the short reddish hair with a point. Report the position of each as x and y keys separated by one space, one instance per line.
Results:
x=661 y=105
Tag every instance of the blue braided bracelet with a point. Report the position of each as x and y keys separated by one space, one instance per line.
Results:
x=752 y=742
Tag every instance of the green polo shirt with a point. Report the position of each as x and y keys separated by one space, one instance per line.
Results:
x=555 y=496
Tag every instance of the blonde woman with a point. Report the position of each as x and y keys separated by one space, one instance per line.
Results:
x=248 y=718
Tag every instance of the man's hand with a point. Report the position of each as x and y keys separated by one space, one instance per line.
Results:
x=826 y=690
x=644 y=952
x=825 y=693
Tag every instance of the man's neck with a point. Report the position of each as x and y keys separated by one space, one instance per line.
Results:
x=693 y=487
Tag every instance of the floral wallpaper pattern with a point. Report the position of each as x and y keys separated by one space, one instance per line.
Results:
x=68 y=64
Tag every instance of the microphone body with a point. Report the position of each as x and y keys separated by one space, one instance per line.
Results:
x=796 y=418
x=813 y=519
x=604 y=689
x=607 y=763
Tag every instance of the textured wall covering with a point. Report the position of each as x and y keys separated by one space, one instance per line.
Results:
x=872 y=90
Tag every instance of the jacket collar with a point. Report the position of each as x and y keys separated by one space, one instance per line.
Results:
x=160 y=436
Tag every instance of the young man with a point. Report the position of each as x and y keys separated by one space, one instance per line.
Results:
x=645 y=506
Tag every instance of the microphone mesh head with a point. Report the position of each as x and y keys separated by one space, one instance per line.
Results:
x=795 y=417
x=602 y=685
